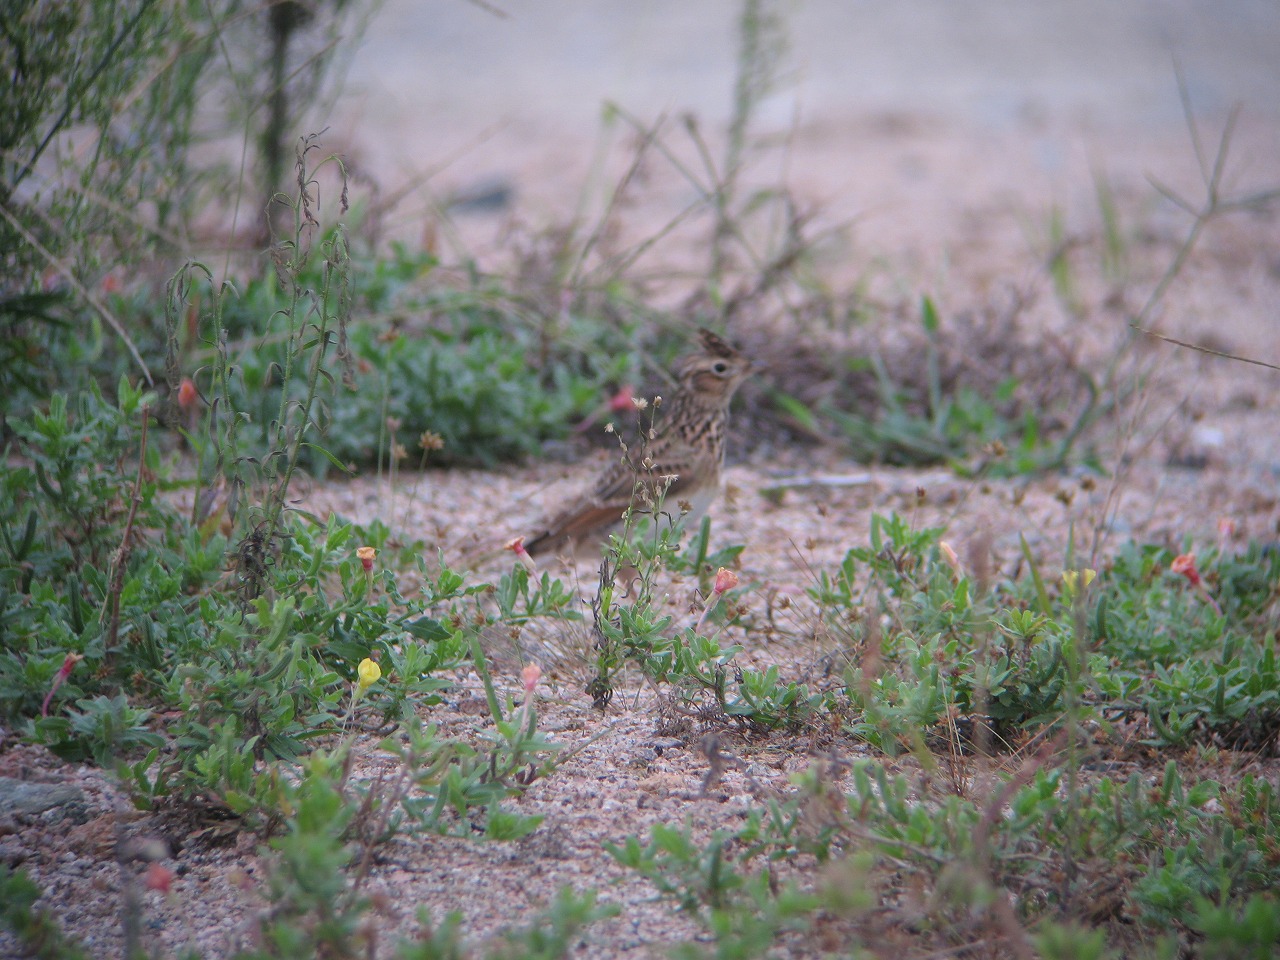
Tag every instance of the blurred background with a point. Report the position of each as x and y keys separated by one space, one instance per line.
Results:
x=512 y=93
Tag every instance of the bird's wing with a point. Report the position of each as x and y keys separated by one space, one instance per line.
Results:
x=592 y=517
x=617 y=485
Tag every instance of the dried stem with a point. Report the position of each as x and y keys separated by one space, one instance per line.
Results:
x=122 y=554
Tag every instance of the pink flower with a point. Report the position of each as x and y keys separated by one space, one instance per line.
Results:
x=68 y=664
x=516 y=546
x=1227 y=531
x=1185 y=564
x=949 y=555
x=725 y=581
x=621 y=401
x=159 y=878
x=530 y=676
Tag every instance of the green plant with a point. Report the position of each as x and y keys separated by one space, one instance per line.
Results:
x=78 y=454
x=464 y=376
x=95 y=564
x=103 y=728
x=38 y=933
x=697 y=875
x=946 y=416
x=553 y=932
x=1198 y=674
x=1065 y=941
x=699 y=669
x=314 y=910
x=1249 y=931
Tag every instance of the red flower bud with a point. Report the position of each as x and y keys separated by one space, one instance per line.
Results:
x=187 y=395
x=68 y=664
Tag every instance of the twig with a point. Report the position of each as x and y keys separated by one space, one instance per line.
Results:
x=1199 y=348
x=647 y=140
x=122 y=554
x=1214 y=205
x=955 y=951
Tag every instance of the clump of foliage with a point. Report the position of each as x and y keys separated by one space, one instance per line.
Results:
x=263 y=635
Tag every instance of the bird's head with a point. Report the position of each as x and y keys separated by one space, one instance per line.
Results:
x=716 y=371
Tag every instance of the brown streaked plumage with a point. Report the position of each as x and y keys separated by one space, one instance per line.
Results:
x=688 y=445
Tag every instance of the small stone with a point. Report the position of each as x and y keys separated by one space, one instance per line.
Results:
x=25 y=796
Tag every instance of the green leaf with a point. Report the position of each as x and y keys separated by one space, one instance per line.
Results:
x=428 y=629
x=929 y=315
x=328 y=456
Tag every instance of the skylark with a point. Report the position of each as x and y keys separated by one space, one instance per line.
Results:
x=679 y=467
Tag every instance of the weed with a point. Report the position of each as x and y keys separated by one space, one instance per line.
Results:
x=38 y=933
x=630 y=630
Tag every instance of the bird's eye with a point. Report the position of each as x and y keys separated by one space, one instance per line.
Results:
x=720 y=367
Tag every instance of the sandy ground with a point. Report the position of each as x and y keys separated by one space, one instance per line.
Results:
x=945 y=136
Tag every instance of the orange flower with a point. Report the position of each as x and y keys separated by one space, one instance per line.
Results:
x=1185 y=564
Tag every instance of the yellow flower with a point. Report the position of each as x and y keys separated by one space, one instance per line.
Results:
x=369 y=673
x=366 y=555
x=1071 y=579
